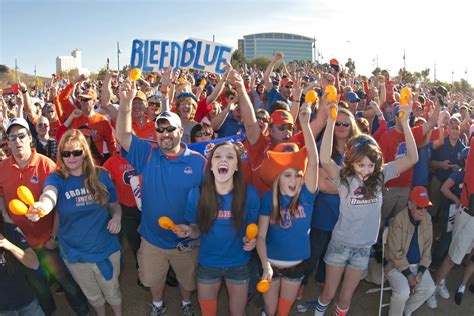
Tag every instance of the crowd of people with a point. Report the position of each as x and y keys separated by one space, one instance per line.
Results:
x=321 y=177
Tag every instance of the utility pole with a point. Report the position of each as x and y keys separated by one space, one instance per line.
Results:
x=452 y=76
x=118 y=56
x=467 y=77
x=213 y=38
x=314 y=50
x=404 y=60
x=35 y=72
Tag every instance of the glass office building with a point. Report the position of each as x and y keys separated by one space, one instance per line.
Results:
x=295 y=47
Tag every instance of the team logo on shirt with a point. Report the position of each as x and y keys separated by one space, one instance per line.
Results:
x=224 y=214
x=286 y=216
x=401 y=151
x=34 y=179
x=358 y=197
x=208 y=149
x=127 y=175
x=188 y=170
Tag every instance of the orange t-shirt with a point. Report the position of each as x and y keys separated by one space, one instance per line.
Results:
x=101 y=131
x=32 y=176
x=146 y=131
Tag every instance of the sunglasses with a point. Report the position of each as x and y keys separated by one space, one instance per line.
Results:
x=343 y=124
x=201 y=134
x=13 y=137
x=289 y=87
x=262 y=119
x=169 y=129
x=420 y=208
x=84 y=100
x=43 y=125
x=75 y=153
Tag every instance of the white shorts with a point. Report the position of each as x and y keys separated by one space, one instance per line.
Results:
x=463 y=237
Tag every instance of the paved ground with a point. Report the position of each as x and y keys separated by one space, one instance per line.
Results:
x=136 y=299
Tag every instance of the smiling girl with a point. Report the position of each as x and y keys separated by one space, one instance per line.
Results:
x=360 y=181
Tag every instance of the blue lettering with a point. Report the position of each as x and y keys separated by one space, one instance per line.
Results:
x=137 y=54
x=164 y=53
x=175 y=57
x=198 y=56
x=208 y=62
x=221 y=60
x=145 y=67
x=188 y=48
x=154 y=47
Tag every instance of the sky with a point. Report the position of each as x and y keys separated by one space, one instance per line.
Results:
x=430 y=32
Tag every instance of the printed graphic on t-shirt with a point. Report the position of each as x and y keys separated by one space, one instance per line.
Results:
x=358 y=197
x=286 y=216
x=82 y=196
x=224 y=214
x=127 y=175
x=401 y=151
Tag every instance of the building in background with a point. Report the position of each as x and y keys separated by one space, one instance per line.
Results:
x=68 y=63
x=295 y=47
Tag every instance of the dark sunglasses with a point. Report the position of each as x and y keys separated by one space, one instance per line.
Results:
x=13 y=137
x=262 y=119
x=169 y=129
x=75 y=153
x=201 y=134
x=343 y=124
x=43 y=125
x=289 y=87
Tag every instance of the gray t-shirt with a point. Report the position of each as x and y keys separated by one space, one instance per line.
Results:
x=359 y=217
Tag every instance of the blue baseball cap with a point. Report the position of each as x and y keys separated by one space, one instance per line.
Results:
x=352 y=97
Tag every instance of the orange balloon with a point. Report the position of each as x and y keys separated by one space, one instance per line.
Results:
x=252 y=231
x=331 y=93
x=135 y=74
x=310 y=97
x=25 y=195
x=405 y=96
x=17 y=207
x=167 y=223
x=263 y=286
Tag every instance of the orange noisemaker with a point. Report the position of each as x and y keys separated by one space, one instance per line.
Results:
x=331 y=95
x=135 y=74
x=405 y=98
x=252 y=231
x=167 y=223
x=263 y=286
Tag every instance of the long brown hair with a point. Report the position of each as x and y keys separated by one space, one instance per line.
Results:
x=208 y=205
x=359 y=147
x=276 y=198
x=90 y=171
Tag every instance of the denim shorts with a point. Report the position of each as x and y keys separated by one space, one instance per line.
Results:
x=340 y=255
x=236 y=275
x=294 y=273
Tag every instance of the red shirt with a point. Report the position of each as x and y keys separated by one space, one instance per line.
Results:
x=393 y=146
x=120 y=172
x=32 y=176
x=146 y=131
x=257 y=153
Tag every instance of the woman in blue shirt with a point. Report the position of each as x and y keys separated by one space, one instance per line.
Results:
x=218 y=211
x=285 y=217
x=89 y=216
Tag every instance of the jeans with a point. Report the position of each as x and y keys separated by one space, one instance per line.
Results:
x=131 y=217
x=441 y=246
x=319 y=244
x=255 y=268
x=32 y=309
x=52 y=266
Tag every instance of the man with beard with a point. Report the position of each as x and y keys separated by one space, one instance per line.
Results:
x=168 y=173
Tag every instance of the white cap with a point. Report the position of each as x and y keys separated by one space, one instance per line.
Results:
x=171 y=117
x=18 y=121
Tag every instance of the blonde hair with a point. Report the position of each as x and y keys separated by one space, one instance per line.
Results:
x=90 y=171
x=276 y=197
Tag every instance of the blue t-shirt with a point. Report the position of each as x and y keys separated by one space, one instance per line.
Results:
x=15 y=291
x=288 y=240
x=421 y=170
x=447 y=152
x=231 y=127
x=274 y=96
x=165 y=186
x=222 y=246
x=83 y=234
x=326 y=206
x=458 y=178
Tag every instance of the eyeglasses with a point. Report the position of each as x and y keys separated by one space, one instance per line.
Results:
x=262 y=119
x=343 y=124
x=285 y=127
x=75 y=153
x=201 y=134
x=289 y=87
x=169 y=129
x=13 y=137
x=43 y=124
x=84 y=100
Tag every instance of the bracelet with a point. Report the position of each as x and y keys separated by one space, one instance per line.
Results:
x=53 y=238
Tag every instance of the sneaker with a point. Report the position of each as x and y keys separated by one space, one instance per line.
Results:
x=458 y=297
x=442 y=290
x=188 y=309
x=157 y=311
x=300 y=293
x=432 y=302
x=264 y=313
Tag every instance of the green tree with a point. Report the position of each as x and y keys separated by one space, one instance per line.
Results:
x=238 y=59
x=377 y=71
x=425 y=74
x=351 y=66
x=261 y=62
x=3 y=68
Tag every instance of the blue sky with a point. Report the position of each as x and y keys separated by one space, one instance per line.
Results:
x=35 y=32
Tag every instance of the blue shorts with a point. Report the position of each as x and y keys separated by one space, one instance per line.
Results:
x=340 y=255
x=294 y=273
x=236 y=275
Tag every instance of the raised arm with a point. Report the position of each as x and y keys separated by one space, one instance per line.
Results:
x=123 y=126
x=26 y=105
x=433 y=119
x=266 y=76
x=411 y=157
x=327 y=163
x=312 y=169
x=220 y=85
